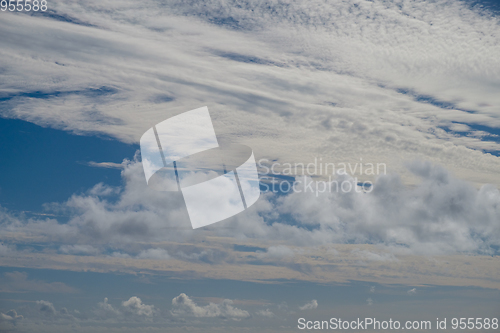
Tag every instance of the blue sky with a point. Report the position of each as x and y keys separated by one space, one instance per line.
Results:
x=42 y=165
x=86 y=246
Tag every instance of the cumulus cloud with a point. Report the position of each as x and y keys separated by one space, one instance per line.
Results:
x=47 y=308
x=440 y=215
x=10 y=316
x=135 y=306
x=182 y=305
x=106 y=310
x=310 y=305
x=265 y=313
x=8 y=320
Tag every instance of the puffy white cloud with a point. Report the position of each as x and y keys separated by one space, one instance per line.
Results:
x=412 y=292
x=182 y=305
x=105 y=310
x=440 y=215
x=10 y=316
x=157 y=253
x=47 y=308
x=265 y=313
x=135 y=306
x=310 y=305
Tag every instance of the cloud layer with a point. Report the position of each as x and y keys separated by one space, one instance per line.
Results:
x=386 y=81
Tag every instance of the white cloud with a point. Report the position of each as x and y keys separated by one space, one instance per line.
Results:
x=135 y=306
x=159 y=254
x=47 y=308
x=310 y=305
x=278 y=252
x=265 y=313
x=105 y=310
x=182 y=305
x=372 y=256
x=380 y=79
x=10 y=315
x=106 y=165
x=369 y=301
x=412 y=292
x=332 y=92
x=78 y=249
x=440 y=215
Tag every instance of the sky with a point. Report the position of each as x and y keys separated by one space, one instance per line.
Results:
x=87 y=246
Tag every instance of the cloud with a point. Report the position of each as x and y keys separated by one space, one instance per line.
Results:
x=5 y=250
x=412 y=292
x=105 y=310
x=78 y=249
x=182 y=305
x=47 y=308
x=439 y=215
x=309 y=306
x=135 y=306
x=278 y=252
x=372 y=256
x=159 y=254
x=382 y=80
x=265 y=313
x=106 y=165
x=369 y=301
x=10 y=315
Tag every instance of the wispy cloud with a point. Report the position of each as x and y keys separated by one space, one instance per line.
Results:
x=107 y=165
x=380 y=79
x=310 y=305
